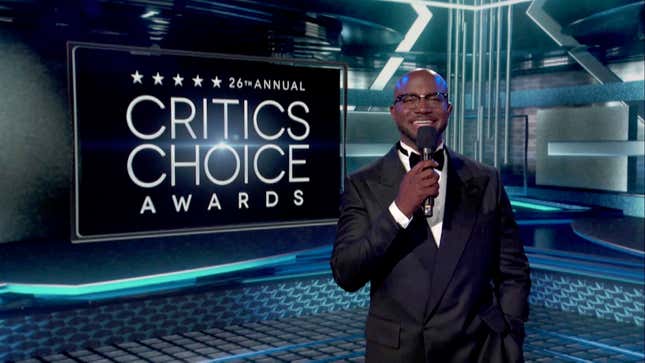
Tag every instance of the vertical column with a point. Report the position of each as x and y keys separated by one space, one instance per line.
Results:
x=507 y=103
x=474 y=60
x=498 y=51
x=462 y=100
x=489 y=84
x=456 y=88
x=451 y=125
x=478 y=98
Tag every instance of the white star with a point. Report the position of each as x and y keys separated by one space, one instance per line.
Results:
x=198 y=81
x=136 y=77
x=216 y=82
x=158 y=78
x=178 y=79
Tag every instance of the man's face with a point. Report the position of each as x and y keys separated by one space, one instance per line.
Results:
x=411 y=111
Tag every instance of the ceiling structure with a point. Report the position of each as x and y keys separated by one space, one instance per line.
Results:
x=364 y=34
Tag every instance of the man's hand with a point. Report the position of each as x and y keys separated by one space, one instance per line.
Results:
x=418 y=184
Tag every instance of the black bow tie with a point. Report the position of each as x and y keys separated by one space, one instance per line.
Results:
x=415 y=158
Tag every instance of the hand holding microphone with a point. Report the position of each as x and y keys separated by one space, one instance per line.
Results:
x=427 y=140
x=421 y=184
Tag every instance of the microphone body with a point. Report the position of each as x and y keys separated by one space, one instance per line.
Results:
x=428 y=204
x=427 y=142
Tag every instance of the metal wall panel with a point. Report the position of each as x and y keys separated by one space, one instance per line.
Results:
x=595 y=123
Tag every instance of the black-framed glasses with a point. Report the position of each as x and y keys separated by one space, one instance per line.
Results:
x=434 y=99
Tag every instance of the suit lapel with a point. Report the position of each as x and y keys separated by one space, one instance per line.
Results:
x=463 y=199
x=391 y=174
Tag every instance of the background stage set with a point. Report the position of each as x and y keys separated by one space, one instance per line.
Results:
x=170 y=170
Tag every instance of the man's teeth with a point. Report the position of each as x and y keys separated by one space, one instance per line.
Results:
x=422 y=123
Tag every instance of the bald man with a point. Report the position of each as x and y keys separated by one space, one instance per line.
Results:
x=452 y=287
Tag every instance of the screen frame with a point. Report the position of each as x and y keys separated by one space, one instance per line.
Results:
x=77 y=237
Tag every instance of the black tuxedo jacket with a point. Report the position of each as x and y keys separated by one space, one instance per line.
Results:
x=465 y=301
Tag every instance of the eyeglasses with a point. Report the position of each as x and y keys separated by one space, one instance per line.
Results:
x=434 y=99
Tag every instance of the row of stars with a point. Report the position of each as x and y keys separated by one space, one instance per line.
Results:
x=158 y=80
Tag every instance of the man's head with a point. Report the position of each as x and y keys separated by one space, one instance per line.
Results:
x=420 y=99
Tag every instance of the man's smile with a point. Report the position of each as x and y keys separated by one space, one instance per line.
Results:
x=421 y=123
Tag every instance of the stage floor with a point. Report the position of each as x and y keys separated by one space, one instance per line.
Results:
x=571 y=269
x=552 y=336
x=544 y=226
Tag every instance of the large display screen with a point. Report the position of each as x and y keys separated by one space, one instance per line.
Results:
x=170 y=142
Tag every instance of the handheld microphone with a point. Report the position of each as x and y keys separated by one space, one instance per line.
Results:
x=427 y=140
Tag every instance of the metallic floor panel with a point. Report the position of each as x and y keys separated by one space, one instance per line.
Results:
x=552 y=336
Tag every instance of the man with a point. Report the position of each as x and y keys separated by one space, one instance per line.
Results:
x=449 y=288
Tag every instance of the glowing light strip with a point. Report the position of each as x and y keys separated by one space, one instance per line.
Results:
x=596 y=148
x=149 y=14
x=367 y=150
x=540 y=222
x=137 y=282
x=386 y=73
x=541 y=208
x=423 y=18
x=439 y=4
x=501 y=3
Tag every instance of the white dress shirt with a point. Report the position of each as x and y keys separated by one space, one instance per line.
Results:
x=436 y=221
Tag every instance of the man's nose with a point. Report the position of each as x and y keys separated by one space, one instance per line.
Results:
x=424 y=106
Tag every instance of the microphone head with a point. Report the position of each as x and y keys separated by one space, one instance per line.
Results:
x=427 y=138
